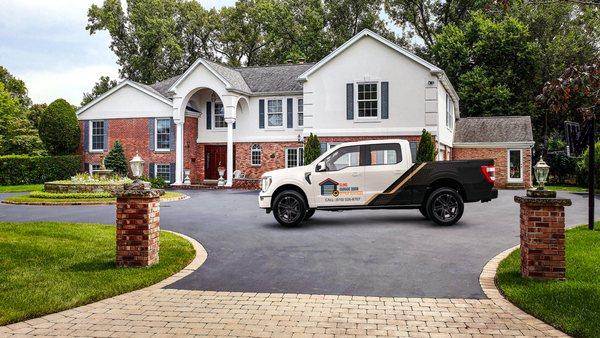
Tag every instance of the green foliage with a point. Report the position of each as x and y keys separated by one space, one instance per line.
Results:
x=65 y=265
x=71 y=195
x=17 y=136
x=426 y=148
x=562 y=167
x=59 y=128
x=116 y=160
x=312 y=149
x=492 y=64
x=22 y=169
x=156 y=182
x=582 y=167
x=35 y=113
x=15 y=87
x=103 y=85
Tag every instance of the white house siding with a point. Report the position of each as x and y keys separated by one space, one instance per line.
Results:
x=445 y=134
x=367 y=60
x=127 y=102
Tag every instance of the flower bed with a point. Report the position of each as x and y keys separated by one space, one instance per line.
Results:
x=85 y=183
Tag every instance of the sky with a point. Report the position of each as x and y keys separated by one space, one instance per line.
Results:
x=45 y=44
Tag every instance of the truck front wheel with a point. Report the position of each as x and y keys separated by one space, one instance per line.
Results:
x=289 y=208
x=445 y=206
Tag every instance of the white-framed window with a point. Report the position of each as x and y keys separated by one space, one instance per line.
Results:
x=300 y=112
x=367 y=100
x=219 y=114
x=449 y=112
x=255 y=154
x=515 y=165
x=275 y=113
x=163 y=171
x=163 y=134
x=413 y=150
x=94 y=167
x=294 y=157
x=97 y=135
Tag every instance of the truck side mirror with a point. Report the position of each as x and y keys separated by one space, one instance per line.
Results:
x=321 y=166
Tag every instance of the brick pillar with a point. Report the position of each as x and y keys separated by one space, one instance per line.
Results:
x=542 y=235
x=138 y=225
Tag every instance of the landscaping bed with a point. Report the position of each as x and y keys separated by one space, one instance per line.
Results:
x=49 y=267
x=573 y=305
x=46 y=198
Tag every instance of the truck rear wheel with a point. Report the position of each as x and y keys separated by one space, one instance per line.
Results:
x=445 y=206
x=289 y=208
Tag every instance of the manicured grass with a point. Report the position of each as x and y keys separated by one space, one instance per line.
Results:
x=73 y=198
x=570 y=188
x=573 y=305
x=48 y=267
x=21 y=188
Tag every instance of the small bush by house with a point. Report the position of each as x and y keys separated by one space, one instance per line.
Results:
x=23 y=169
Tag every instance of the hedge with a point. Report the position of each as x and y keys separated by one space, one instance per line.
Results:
x=23 y=169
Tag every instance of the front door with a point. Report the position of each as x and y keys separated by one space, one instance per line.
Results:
x=214 y=156
x=342 y=181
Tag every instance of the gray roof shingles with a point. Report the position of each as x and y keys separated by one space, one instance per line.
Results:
x=259 y=79
x=493 y=129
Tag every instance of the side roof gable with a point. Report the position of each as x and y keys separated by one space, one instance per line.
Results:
x=143 y=88
x=364 y=33
x=232 y=79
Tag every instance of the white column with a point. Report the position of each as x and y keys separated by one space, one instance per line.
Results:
x=179 y=152
x=230 y=122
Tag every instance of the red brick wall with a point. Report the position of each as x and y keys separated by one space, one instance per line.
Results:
x=133 y=134
x=500 y=157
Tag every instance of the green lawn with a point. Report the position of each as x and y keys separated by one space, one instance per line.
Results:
x=21 y=188
x=572 y=305
x=74 y=198
x=570 y=188
x=48 y=267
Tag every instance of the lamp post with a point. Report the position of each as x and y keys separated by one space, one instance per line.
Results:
x=541 y=173
x=137 y=166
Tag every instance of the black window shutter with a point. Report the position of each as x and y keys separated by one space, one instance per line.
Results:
x=323 y=147
x=151 y=170
x=86 y=136
x=172 y=141
x=290 y=113
x=261 y=114
x=208 y=115
x=350 y=101
x=86 y=168
x=172 y=173
x=105 y=135
x=385 y=102
x=151 y=134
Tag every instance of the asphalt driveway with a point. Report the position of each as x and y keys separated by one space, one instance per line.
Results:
x=368 y=253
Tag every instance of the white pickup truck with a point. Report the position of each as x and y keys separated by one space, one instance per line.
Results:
x=376 y=175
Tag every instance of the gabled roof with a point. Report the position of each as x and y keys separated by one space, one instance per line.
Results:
x=272 y=79
x=497 y=129
x=148 y=90
x=328 y=181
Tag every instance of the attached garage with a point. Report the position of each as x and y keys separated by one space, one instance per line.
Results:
x=507 y=139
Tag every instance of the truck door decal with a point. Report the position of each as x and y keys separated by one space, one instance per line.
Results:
x=387 y=195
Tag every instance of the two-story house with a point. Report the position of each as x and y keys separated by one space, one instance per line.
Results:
x=255 y=119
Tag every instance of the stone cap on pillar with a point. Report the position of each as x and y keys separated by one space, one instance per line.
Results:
x=543 y=201
x=139 y=189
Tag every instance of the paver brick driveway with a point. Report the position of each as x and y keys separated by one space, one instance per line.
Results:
x=366 y=253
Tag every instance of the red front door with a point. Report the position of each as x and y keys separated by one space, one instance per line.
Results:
x=214 y=156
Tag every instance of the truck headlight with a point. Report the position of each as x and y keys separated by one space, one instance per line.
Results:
x=265 y=183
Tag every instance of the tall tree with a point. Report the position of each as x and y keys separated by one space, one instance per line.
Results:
x=492 y=63
x=14 y=86
x=17 y=136
x=153 y=39
x=103 y=85
x=59 y=128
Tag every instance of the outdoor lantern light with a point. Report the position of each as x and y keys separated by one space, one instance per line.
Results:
x=137 y=166
x=541 y=173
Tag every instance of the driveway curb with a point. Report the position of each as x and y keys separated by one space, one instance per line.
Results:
x=487 y=280
x=172 y=199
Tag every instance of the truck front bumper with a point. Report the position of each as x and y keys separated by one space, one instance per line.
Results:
x=264 y=201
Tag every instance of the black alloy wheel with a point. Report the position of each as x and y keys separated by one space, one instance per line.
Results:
x=445 y=206
x=289 y=208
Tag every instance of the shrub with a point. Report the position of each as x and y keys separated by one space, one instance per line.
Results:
x=22 y=169
x=156 y=182
x=312 y=149
x=426 y=149
x=116 y=160
x=70 y=195
x=59 y=128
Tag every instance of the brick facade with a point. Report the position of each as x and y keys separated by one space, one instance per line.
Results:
x=138 y=229
x=133 y=135
x=500 y=157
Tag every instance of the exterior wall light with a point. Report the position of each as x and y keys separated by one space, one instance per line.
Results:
x=541 y=173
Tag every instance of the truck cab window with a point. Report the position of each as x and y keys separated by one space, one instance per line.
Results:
x=343 y=158
x=382 y=154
